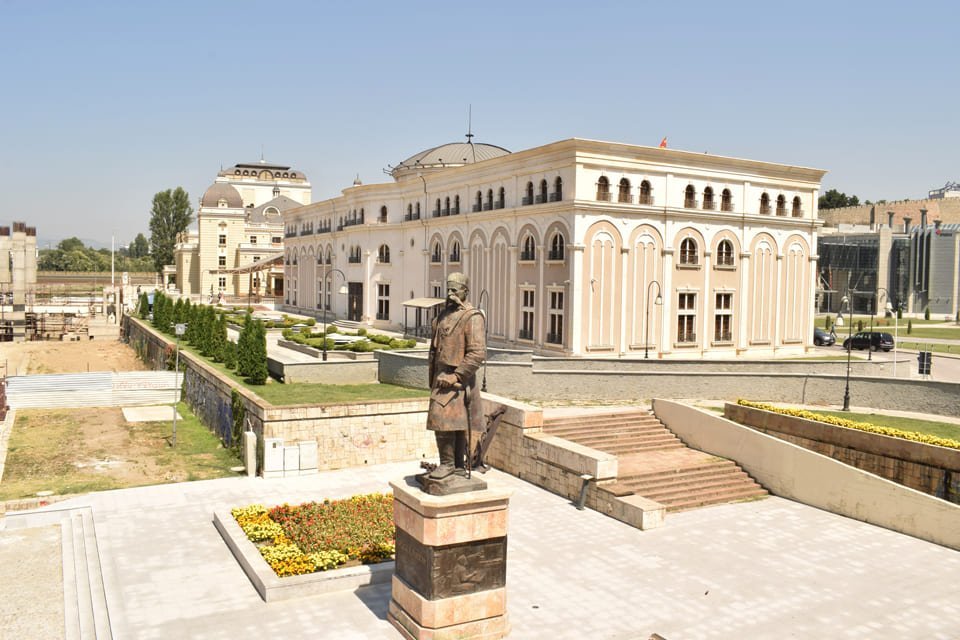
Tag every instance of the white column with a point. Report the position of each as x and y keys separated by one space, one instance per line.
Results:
x=577 y=302
x=706 y=336
x=743 y=322
x=624 y=293
x=666 y=311
x=780 y=288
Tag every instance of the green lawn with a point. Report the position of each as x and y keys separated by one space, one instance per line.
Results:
x=925 y=346
x=280 y=394
x=304 y=393
x=933 y=428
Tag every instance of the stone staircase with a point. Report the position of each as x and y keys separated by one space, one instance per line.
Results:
x=86 y=611
x=653 y=462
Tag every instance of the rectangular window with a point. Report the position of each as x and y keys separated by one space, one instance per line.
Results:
x=723 y=318
x=687 y=317
x=253 y=239
x=222 y=283
x=222 y=240
x=556 y=318
x=256 y=258
x=222 y=261
x=527 y=314
x=383 y=302
x=276 y=240
x=437 y=292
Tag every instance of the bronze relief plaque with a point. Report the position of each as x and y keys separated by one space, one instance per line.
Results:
x=451 y=570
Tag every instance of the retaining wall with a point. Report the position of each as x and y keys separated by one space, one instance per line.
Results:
x=790 y=471
x=347 y=435
x=623 y=382
x=924 y=467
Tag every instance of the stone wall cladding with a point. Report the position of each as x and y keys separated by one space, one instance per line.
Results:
x=928 y=468
x=347 y=435
x=528 y=382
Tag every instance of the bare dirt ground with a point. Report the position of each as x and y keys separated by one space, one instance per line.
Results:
x=78 y=450
x=22 y=358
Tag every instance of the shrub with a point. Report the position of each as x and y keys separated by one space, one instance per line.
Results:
x=828 y=322
x=379 y=338
x=230 y=355
x=287 y=334
x=909 y=326
x=305 y=331
x=311 y=322
x=361 y=332
x=926 y=313
x=851 y=424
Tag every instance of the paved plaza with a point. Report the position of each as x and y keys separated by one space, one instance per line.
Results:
x=765 y=569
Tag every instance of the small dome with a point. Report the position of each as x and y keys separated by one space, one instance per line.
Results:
x=221 y=194
x=453 y=154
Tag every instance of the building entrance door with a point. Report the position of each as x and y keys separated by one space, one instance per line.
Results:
x=354 y=301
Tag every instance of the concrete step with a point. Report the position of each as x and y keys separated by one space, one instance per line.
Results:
x=624 y=438
x=704 y=486
x=627 y=418
x=612 y=428
x=86 y=614
x=709 y=468
x=693 y=502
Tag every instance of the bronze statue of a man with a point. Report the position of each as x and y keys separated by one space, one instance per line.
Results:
x=457 y=350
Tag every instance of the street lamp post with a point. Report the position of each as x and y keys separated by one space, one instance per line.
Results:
x=343 y=289
x=885 y=295
x=179 y=330
x=659 y=300
x=846 y=391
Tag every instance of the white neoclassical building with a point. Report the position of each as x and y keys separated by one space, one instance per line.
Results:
x=239 y=223
x=577 y=247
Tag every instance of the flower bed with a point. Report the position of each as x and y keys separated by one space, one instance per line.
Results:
x=850 y=424
x=318 y=536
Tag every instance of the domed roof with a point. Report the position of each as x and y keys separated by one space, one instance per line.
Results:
x=221 y=191
x=452 y=154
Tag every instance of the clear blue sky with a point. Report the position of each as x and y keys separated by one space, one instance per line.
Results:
x=102 y=104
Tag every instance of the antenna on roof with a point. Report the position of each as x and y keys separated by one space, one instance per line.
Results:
x=470 y=131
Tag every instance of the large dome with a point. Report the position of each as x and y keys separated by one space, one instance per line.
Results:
x=452 y=154
x=221 y=194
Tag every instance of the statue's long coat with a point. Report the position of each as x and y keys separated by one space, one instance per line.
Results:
x=458 y=346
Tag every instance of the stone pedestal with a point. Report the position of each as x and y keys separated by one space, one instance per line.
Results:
x=451 y=564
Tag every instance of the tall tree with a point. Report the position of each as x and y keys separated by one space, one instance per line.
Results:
x=139 y=247
x=71 y=244
x=833 y=199
x=170 y=216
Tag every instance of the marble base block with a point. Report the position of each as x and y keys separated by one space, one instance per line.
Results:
x=451 y=562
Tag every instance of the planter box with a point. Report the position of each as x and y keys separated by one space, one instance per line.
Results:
x=273 y=588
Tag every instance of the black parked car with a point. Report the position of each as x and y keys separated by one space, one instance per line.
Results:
x=873 y=340
x=821 y=338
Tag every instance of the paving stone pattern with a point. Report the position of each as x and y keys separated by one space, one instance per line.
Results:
x=766 y=569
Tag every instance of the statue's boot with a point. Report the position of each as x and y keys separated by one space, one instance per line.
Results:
x=460 y=452
x=446 y=444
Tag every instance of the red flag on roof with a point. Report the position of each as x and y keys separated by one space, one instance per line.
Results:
x=663 y=143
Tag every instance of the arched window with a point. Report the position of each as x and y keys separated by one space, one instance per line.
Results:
x=725 y=253
x=383 y=254
x=529 y=250
x=623 y=192
x=708 y=202
x=765 y=204
x=557 y=247
x=797 y=210
x=603 y=189
x=489 y=203
x=383 y=214
x=646 y=192
x=361 y=215
x=528 y=198
x=456 y=206
x=781 y=205
x=690 y=197
x=688 y=251
x=726 y=200
x=436 y=252
x=436 y=209
x=446 y=206
x=557 y=194
x=409 y=212
x=355 y=255
x=416 y=211
x=501 y=198
x=542 y=196
x=455 y=252
x=478 y=203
